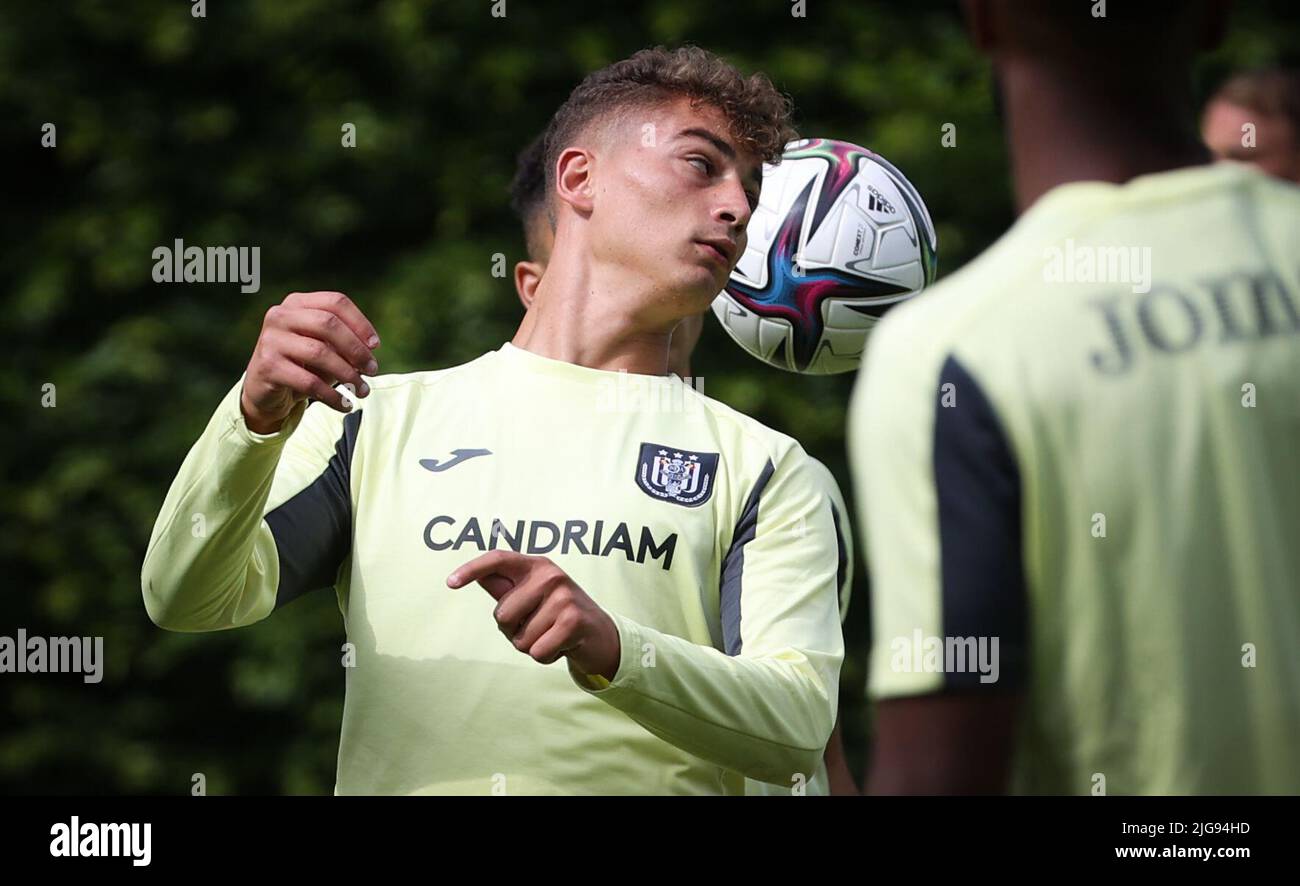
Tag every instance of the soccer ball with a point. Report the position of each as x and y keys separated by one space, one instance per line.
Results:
x=838 y=237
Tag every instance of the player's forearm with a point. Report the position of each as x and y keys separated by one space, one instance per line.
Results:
x=767 y=718
x=211 y=561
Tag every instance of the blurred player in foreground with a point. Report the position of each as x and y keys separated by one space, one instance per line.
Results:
x=528 y=198
x=1078 y=455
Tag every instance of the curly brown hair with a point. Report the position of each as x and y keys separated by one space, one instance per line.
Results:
x=759 y=115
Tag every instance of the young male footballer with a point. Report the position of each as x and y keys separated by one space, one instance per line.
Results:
x=483 y=522
x=1078 y=455
x=528 y=199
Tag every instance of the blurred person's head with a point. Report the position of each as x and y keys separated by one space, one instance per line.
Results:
x=1254 y=118
x=652 y=168
x=1092 y=91
x=528 y=200
x=1131 y=52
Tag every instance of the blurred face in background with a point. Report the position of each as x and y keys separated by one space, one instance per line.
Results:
x=1276 y=150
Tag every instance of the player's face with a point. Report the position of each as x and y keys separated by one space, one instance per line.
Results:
x=673 y=195
x=1270 y=142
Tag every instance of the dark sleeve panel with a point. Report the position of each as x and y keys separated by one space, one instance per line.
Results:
x=977 y=481
x=733 y=564
x=313 y=529
x=842 y=563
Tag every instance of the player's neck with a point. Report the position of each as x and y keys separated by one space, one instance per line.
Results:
x=581 y=316
x=1063 y=132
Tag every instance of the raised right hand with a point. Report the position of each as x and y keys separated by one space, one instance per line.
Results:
x=309 y=343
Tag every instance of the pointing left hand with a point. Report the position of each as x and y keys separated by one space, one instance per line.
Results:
x=543 y=612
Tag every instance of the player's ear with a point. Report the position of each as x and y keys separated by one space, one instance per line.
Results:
x=573 y=170
x=527 y=275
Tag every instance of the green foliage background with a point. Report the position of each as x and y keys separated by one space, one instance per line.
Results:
x=226 y=130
